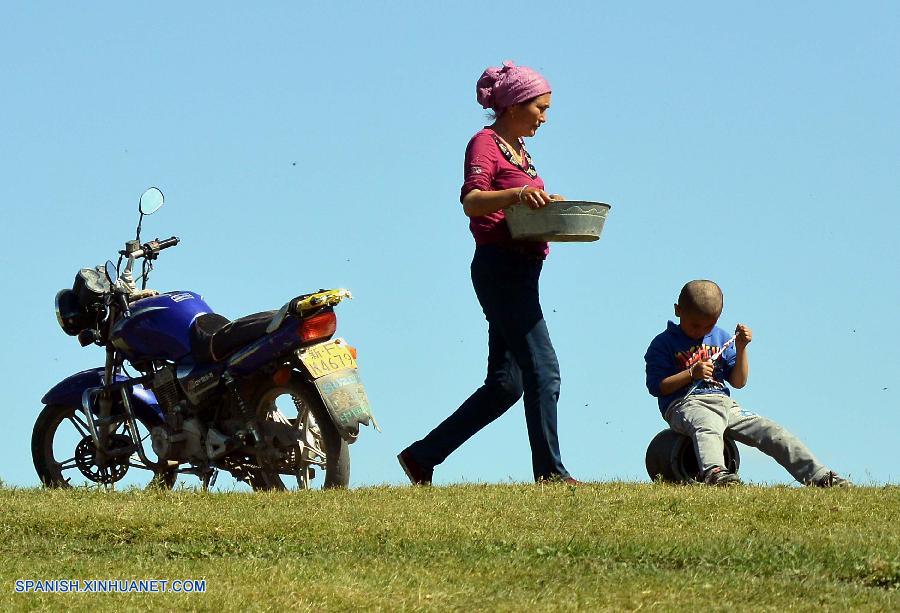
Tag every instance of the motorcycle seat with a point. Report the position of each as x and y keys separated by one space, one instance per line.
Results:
x=214 y=337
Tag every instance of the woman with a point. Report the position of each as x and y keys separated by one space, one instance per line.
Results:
x=498 y=174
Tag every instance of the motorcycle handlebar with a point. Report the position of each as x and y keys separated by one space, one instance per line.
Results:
x=166 y=243
x=150 y=249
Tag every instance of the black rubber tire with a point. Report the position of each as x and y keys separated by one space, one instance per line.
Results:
x=45 y=428
x=337 y=451
x=671 y=457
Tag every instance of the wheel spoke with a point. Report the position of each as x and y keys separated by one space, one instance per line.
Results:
x=66 y=464
x=118 y=427
x=310 y=450
x=79 y=424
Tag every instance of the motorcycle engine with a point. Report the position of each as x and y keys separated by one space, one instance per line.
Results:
x=193 y=442
x=165 y=390
x=184 y=437
x=183 y=445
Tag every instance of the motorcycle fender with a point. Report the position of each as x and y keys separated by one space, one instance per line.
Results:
x=346 y=401
x=69 y=392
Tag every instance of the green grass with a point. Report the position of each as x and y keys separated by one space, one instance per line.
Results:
x=612 y=546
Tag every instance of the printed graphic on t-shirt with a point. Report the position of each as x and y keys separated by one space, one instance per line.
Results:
x=474 y=170
x=697 y=353
x=701 y=353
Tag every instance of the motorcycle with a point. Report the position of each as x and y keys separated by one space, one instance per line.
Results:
x=269 y=398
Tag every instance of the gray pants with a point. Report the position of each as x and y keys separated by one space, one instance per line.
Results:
x=706 y=418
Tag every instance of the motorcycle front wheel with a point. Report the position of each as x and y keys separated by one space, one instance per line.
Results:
x=61 y=431
x=296 y=411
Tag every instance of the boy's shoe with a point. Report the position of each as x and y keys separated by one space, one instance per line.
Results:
x=832 y=479
x=418 y=475
x=720 y=477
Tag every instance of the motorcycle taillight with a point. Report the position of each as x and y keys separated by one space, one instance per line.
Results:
x=317 y=327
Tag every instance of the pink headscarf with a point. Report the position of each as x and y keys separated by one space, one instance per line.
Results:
x=500 y=88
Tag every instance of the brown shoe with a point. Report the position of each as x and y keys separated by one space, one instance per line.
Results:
x=572 y=481
x=417 y=474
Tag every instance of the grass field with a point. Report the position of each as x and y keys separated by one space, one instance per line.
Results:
x=609 y=546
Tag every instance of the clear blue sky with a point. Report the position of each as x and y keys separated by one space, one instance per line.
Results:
x=307 y=145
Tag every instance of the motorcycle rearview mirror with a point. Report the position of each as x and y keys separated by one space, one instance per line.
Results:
x=151 y=201
x=112 y=273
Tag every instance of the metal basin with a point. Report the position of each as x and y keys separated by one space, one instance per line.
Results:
x=561 y=221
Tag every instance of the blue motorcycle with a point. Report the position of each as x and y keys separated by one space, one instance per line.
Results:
x=270 y=398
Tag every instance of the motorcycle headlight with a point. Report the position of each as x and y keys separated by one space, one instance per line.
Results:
x=71 y=316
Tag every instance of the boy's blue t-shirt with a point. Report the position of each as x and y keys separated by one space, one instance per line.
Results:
x=673 y=351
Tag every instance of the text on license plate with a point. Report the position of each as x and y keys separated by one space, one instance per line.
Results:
x=327 y=358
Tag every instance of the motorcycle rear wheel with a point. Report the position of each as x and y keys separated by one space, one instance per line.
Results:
x=51 y=437
x=300 y=406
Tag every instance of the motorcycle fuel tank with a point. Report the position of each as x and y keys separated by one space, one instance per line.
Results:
x=159 y=327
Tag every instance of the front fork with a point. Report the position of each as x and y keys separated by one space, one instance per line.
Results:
x=99 y=427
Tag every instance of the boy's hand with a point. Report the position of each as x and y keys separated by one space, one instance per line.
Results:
x=702 y=370
x=744 y=336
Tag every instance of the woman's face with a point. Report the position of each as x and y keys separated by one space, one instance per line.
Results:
x=527 y=117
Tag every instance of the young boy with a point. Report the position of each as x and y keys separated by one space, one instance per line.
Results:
x=681 y=357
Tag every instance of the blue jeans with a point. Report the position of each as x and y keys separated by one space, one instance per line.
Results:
x=521 y=360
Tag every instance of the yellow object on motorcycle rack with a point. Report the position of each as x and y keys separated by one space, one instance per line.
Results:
x=329 y=297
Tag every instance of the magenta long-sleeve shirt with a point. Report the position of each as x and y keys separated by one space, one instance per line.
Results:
x=490 y=167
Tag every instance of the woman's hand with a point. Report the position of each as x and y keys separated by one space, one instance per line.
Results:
x=535 y=198
x=477 y=202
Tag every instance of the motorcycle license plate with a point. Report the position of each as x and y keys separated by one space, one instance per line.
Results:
x=346 y=400
x=327 y=358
